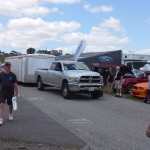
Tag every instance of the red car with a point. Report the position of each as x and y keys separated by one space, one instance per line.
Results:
x=129 y=80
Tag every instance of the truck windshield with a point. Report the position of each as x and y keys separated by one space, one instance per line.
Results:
x=75 y=66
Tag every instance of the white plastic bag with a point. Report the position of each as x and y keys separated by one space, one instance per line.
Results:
x=14 y=103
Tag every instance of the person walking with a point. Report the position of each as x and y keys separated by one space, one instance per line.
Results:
x=147 y=97
x=8 y=89
x=118 y=82
x=110 y=80
x=148 y=82
x=147 y=93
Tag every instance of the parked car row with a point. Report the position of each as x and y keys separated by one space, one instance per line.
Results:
x=132 y=82
x=140 y=89
x=135 y=85
x=129 y=79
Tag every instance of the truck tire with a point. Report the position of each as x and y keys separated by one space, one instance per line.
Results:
x=65 y=91
x=96 y=95
x=40 y=85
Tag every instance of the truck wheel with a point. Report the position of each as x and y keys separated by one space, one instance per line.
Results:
x=40 y=85
x=96 y=95
x=65 y=91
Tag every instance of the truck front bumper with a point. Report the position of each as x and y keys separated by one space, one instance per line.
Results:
x=85 y=87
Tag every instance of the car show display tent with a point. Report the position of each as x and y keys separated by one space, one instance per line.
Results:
x=98 y=59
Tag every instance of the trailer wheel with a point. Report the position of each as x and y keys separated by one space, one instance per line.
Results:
x=40 y=84
x=65 y=91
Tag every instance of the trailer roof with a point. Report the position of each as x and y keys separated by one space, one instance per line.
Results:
x=33 y=55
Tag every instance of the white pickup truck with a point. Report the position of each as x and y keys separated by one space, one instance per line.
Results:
x=71 y=77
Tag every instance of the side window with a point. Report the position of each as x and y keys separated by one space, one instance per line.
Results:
x=53 y=66
x=58 y=67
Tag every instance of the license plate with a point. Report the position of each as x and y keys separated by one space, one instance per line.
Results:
x=91 y=89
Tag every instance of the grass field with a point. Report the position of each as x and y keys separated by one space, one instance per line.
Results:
x=2 y=59
x=124 y=95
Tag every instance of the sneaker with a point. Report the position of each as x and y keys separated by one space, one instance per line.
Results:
x=11 y=117
x=1 y=122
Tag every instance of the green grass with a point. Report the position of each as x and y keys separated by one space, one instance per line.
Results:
x=124 y=95
x=2 y=59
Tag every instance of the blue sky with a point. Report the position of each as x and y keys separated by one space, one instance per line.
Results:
x=106 y=25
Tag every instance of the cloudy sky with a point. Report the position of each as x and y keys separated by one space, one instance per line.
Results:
x=61 y=24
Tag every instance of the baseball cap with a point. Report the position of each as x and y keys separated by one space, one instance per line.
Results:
x=7 y=64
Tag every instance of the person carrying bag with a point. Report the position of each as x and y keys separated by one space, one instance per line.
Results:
x=8 y=89
x=148 y=131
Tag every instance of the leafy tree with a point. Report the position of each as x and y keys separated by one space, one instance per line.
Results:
x=40 y=51
x=30 y=50
x=60 y=52
x=13 y=51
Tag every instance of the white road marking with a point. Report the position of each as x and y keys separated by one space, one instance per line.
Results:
x=80 y=121
x=34 y=98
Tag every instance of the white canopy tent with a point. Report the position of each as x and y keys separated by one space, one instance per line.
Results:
x=146 y=67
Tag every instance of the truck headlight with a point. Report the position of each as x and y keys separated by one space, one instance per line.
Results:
x=101 y=79
x=74 y=80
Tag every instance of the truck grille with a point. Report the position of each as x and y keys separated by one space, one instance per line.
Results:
x=89 y=79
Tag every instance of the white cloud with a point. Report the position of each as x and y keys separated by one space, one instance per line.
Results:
x=98 y=8
x=63 y=1
x=27 y=32
x=101 y=38
x=144 y=51
x=20 y=8
x=113 y=23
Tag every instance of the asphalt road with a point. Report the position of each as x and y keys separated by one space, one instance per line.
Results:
x=31 y=125
x=108 y=123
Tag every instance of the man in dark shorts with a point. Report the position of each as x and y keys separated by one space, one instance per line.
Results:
x=118 y=81
x=8 y=89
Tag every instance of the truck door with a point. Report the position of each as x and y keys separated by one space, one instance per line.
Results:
x=55 y=74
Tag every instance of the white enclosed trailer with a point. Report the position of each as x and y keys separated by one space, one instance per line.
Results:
x=135 y=61
x=128 y=57
x=24 y=66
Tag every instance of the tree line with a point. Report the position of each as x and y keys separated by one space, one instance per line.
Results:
x=33 y=51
